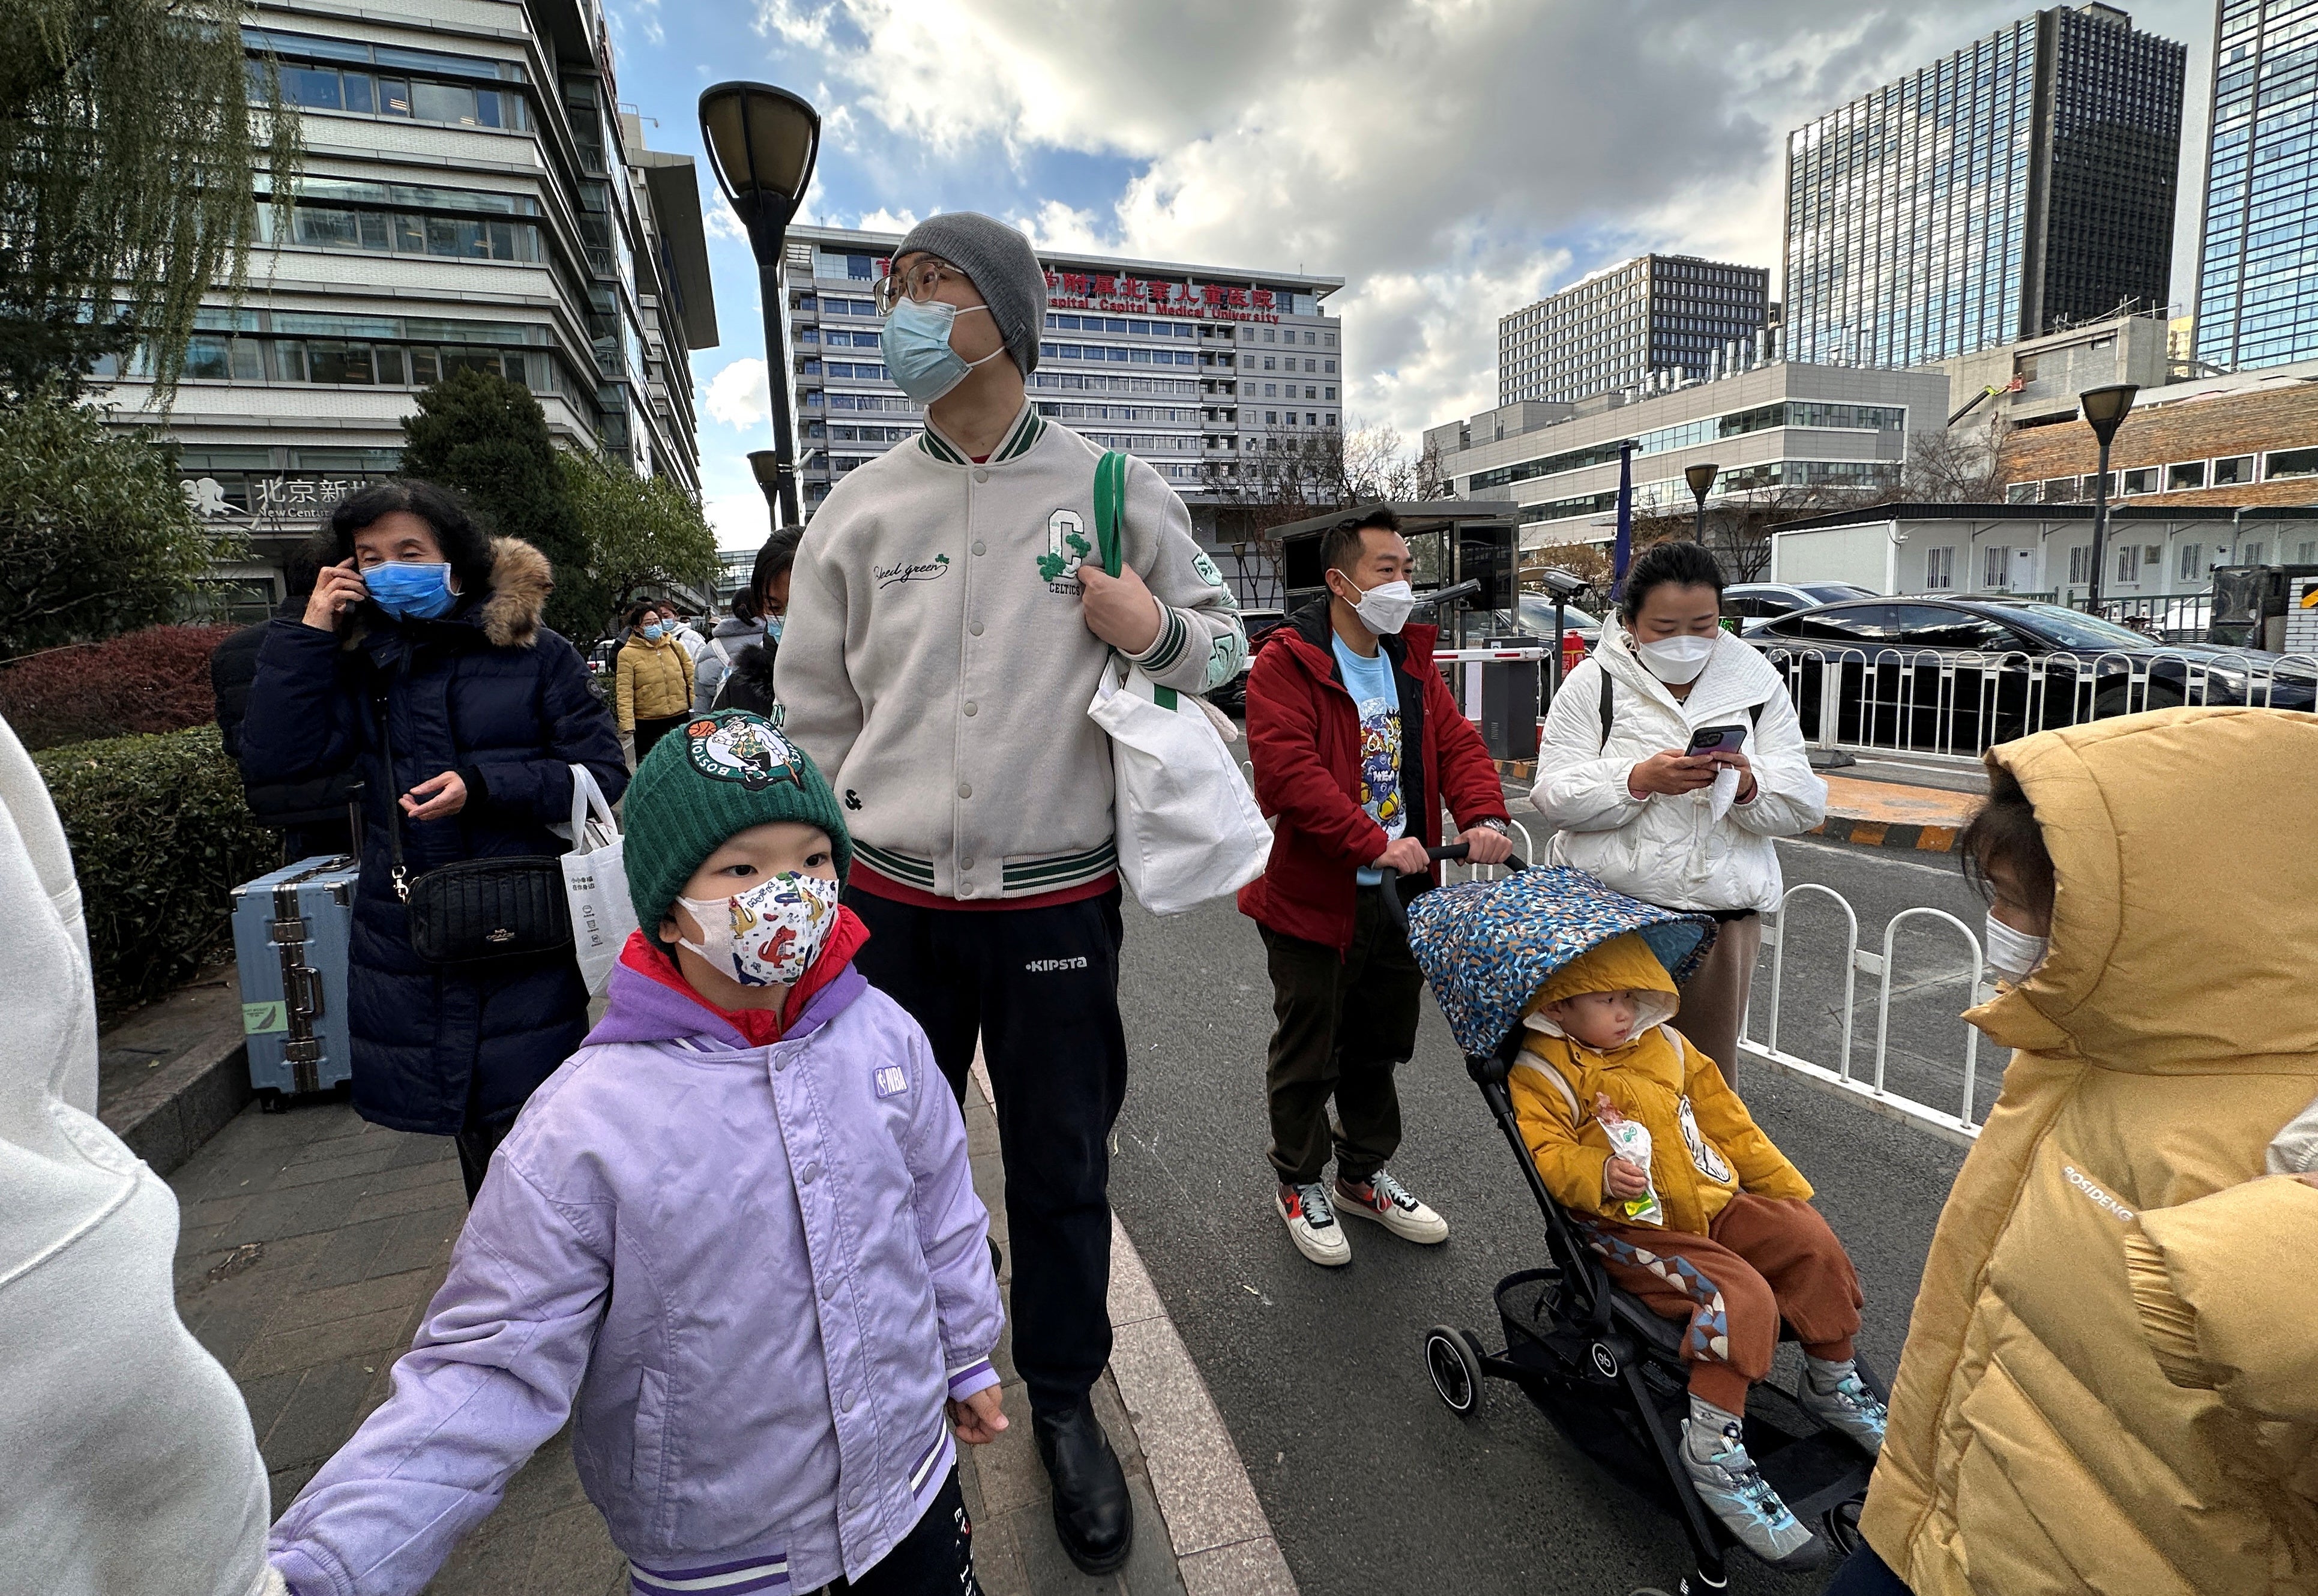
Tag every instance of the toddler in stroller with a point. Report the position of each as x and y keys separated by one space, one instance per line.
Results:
x=1685 y=1239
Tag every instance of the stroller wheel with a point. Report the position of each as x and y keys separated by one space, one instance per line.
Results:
x=1454 y=1362
x=1841 y=1524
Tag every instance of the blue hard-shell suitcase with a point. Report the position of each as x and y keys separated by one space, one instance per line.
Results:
x=291 y=930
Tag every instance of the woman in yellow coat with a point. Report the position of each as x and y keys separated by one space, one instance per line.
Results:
x=2111 y=1379
x=652 y=682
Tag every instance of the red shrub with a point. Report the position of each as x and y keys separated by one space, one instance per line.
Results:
x=153 y=680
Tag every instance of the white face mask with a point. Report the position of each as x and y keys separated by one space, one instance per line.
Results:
x=1384 y=608
x=768 y=935
x=2013 y=955
x=1675 y=659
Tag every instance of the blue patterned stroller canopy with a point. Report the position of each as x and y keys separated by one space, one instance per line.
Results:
x=1486 y=946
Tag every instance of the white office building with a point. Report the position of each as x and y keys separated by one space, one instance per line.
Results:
x=1624 y=326
x=1774 y=426
x=1199 y=369
x=469 y=199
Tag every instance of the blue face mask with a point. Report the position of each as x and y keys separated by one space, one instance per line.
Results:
x=916 y=347
x=772 y=629
x=415 y=590
x=656 y=630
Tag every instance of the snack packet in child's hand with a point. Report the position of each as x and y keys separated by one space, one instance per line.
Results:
x=1630 y=1141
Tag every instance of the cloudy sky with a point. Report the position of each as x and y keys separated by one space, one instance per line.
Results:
x=1451 y=160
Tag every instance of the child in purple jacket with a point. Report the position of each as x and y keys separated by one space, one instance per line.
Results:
x=735 y=1234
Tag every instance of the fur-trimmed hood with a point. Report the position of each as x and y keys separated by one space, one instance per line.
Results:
x=521 y=580
x=514 y=602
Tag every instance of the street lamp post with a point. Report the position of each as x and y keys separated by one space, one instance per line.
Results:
x=765 y=465
x=1701 y=479
x=2105 y=410
x=761 y=143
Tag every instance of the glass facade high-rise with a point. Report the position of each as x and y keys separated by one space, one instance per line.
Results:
x=2023 y=184
x=1653 y=313
x=2258 y=264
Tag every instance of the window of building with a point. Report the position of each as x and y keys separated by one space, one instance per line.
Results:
x=1267 y=335
x=2144 y=481
x=2188 y=475
x=1271 y=418
x=1311 y=337
x=2081 y=564
x=1271 y=391
x=2193 y=562
x=1310 y=420
x=1939 y=568
x=1329 y=393
x=1996 y=569
x=2251 y=553
x=2289 y=462
x=2232 y=469
x=2128 y=563
x=2306 y=553
x=1270 y=363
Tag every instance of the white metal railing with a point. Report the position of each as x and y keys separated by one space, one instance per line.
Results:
x=1931 y=701
x=1874 y=1090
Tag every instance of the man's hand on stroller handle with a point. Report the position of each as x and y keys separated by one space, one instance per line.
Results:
x=1404 y=856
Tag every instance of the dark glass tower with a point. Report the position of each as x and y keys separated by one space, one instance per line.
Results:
x=2023 y=184
x=2258 y=262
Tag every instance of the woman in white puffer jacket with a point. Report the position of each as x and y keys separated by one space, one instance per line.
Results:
x=1681 y=832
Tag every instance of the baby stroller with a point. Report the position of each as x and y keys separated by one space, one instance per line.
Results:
x=1605 y=1370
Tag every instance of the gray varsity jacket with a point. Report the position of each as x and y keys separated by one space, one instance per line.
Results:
x=937 y=665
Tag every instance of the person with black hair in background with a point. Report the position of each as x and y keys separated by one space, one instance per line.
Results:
x=313 y=815
x=749 y=684
x=430 y=622
x=1681 y=830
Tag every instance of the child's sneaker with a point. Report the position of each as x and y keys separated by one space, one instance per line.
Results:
x=1312 y=1224
x=1733 y=1489
x=1386 y=1201
x=1835 y=1396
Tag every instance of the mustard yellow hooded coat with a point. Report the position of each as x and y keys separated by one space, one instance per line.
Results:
x=2111 y=1380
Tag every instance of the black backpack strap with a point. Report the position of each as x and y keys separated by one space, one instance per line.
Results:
x=1609 y=705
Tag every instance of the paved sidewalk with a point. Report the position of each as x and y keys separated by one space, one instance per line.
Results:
x=311 y=1241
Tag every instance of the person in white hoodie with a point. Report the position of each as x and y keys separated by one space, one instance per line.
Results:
x=131 y=1467
x=1681 y=830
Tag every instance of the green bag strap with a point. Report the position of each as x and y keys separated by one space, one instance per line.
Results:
x=1109 y=510
x=1109 y=519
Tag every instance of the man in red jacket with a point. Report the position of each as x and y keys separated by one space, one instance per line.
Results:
x=1356 y=744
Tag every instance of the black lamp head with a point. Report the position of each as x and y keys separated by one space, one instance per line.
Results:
x=2105 y=408
x=1701 y=479
x=762 y=142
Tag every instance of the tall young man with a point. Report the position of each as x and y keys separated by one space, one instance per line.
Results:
x=1357 y=746
x=947 y=626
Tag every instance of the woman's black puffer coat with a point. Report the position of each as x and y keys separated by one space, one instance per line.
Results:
x=488 y=692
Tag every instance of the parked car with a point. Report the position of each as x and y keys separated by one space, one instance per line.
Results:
x=1232 y=696
x=1958 y=674
x=1753 y=601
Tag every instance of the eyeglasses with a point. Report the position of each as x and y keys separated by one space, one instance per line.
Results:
x=919 y=283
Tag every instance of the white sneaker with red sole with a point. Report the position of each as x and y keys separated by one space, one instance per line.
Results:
x=1386 y=1201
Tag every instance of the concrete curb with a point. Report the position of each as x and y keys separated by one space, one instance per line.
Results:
x=172 y=1074
x=1889 y=814
x=1224 y=1544
x=1867 y=833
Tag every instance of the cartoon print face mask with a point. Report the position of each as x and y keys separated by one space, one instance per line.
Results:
x=768 y=935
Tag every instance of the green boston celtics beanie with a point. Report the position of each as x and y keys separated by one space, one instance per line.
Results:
x=714 y=775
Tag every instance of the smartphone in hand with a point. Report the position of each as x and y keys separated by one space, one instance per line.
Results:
x=1716 y=740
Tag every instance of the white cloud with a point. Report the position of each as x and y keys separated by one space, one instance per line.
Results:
x=882 y=220
x=741 y=520
x=1452 y=159
x=739 y=396
x=717 y=216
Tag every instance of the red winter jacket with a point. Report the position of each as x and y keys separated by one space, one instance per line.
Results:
x=1304 y=735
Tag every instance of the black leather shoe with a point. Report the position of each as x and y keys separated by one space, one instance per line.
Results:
x=1093 y=1514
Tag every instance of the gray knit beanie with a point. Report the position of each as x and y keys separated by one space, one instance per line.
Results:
x=999 y=259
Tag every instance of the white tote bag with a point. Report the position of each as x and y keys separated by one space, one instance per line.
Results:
x=1187 y=825
x=596 y=882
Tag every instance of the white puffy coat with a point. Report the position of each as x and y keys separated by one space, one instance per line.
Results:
x=1666 y=849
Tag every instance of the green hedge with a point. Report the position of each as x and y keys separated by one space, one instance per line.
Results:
x=160 y=837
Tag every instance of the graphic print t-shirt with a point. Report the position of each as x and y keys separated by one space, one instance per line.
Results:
x=1377 y=699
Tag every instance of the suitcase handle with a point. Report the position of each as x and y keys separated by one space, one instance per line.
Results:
x=305 y=993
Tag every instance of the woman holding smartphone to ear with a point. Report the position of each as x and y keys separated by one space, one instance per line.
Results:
x=1671 y=758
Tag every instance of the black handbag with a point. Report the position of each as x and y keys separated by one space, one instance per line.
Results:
x=475 y=911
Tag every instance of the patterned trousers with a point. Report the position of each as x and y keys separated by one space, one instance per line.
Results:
x=1762 y=1259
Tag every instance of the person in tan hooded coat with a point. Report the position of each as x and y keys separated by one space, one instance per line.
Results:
x=2111 y=1379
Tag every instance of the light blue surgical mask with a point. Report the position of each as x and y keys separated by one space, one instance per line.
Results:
x=655 y=630
x=772 y=629
x=416 y=589
x=916 y=347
